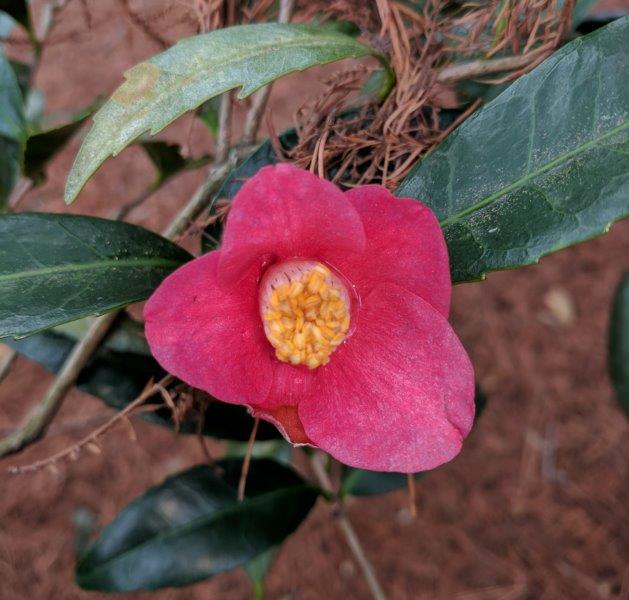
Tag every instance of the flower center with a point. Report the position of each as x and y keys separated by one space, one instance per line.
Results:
x=305 y=308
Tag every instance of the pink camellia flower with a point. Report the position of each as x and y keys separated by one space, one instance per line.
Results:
x=326 y=314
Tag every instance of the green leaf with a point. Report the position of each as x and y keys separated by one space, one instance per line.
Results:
x=7 y=23
x=257 y=569
x=18 y=10
x=208 y=113
x=12 y=129
x=119 y=371
x=180 y=79
x=41 y=146
x=262 y=156
x=168 y=160
x=58 y=268
x=543 y=166
x=192 y=527
x=361 y=482
x=619 y=343
x=580 y=11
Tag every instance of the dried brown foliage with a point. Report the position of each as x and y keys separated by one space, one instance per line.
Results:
x=380 y=141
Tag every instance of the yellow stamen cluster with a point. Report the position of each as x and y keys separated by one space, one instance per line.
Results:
x=306 y=314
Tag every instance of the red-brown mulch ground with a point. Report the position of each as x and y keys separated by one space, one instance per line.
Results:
x=534 y=507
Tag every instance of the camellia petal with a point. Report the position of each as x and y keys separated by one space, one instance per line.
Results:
x=399 y=394
x=210 y=335
x=405 y=246
x=285 y=212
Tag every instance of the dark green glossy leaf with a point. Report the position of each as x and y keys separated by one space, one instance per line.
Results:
x=12 y=129
x=18 y=10
x=360 y=482
x=262 y=156
x=192 y=527
x=619 y=343
x=41 y=146
x=119 y=371
x=58 y=268
x=168 y=160
x=543 y=166
x=180 y=79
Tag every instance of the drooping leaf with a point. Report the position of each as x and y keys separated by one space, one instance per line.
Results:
x=168 y=160
x=619 y=343
x=191 y=527
x=58 y=268
x=12 y=129
x=41 y=146
x=360 y=482
x=180 y=79
x=119 y=371
x=543 y=166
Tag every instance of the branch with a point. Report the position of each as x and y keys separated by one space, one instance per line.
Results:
x=7 y=356
x=50 y=404
x=38 y=422
x=254 y=116
x=71 y=451
x=348 y=530
x=223 y=142
x=479 y=68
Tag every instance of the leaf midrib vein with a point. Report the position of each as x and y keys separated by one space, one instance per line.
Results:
x=73 y=267
x=532 y=175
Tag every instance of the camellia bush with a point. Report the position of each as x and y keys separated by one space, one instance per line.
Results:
x=309 y=327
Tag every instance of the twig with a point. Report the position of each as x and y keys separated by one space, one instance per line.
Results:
x=125 y=209
x=478 y=68
x=348 y=530
x=223 y=143
x=255 y=113
x=94 y=435
x=247 y=460
x=7 y=356
x=50 y=404
x=410 y=480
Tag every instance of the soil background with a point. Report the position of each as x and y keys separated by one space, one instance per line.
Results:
x=533 y=508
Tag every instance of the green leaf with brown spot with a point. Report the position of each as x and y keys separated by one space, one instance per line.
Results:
x=198 y=68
